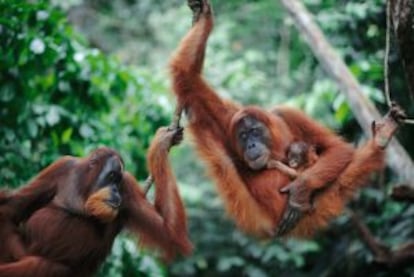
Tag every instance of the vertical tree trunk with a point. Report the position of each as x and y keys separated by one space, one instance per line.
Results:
x=402 y=14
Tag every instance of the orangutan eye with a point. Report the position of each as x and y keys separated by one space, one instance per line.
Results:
x=243 y=136
x=114 y=176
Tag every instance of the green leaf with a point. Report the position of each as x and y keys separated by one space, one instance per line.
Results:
x=225 y=263
x=52 y=116
x=7 y=92
x=86 y=131
x=32 y=128
x=67 y=134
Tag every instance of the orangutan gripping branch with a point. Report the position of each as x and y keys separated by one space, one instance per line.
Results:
x=237 y=143
x=72 y=211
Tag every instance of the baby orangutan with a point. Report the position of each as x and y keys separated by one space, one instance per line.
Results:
x=236 y=143
x=300 y=156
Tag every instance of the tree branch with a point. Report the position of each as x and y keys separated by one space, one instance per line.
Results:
x=175 y=124
x=403 y=255
x=363 y=109
x=403 y=193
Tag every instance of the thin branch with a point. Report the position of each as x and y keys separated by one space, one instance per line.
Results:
x=363 y=109
x=401 y=256
x=147 y=184
x=409 y=121
x=177 y=117
x=380 y=251
x=175 y=124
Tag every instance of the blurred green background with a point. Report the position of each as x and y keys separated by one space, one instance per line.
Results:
x=78 y=74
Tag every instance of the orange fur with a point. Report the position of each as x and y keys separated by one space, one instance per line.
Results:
x=308 y=157
x=167 y=198
x=252 y=198
x=69 y=228
x=95 y=205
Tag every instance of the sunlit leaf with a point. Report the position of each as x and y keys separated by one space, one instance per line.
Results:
x=52 y=116
x=66 y=136
x=86 y=131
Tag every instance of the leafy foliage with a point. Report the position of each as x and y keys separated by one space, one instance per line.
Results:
x=60 y=96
